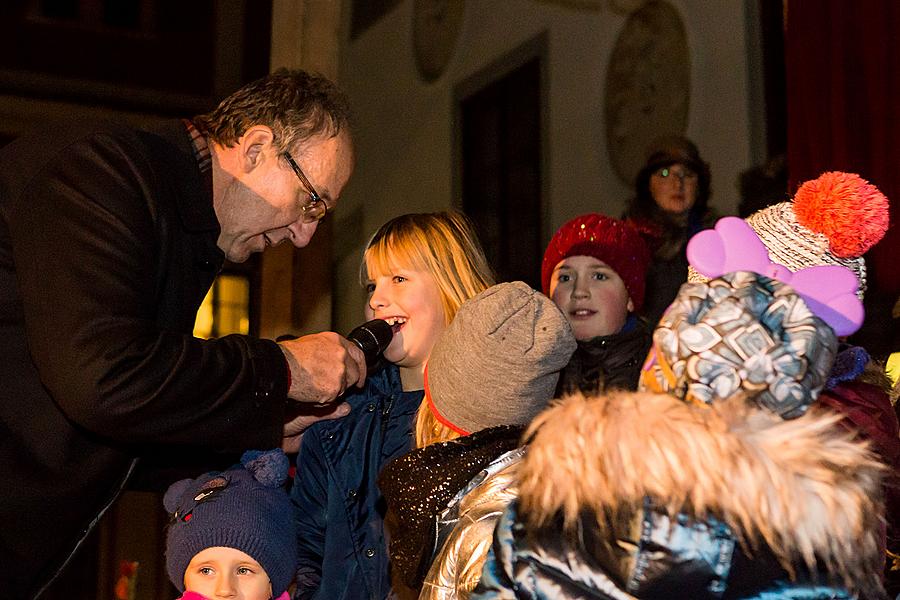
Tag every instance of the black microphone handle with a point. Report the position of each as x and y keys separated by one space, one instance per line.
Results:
x=372 y=337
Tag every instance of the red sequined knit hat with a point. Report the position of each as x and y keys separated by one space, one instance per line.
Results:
x=615 y=242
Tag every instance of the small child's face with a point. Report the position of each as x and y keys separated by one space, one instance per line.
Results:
x=591 y=295
x=221 y=572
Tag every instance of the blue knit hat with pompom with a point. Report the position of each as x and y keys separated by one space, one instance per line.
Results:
x=245 y=508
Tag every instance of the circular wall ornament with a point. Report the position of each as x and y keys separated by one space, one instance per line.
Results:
x=648 y=85
x=436 y=26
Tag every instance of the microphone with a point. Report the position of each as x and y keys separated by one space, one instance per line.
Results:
x=372 y=337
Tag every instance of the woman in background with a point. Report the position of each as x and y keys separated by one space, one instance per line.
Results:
x=670 y=205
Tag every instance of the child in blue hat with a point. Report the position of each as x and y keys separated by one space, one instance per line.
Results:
x=231 y=533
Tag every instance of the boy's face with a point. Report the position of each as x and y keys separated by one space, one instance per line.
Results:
x=591 y=295
x=221 y=572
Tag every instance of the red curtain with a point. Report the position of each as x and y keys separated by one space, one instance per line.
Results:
x=843 y=100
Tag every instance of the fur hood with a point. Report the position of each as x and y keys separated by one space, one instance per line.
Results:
x=804 y=487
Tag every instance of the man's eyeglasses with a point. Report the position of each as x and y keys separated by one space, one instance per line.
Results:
x=315 y=209
x=685 y=173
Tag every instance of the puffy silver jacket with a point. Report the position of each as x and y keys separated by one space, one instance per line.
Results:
x=466 y=528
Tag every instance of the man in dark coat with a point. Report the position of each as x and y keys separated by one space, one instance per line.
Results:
x=109 y=240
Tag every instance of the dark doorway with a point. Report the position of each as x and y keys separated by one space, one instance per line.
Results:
x=500 y=128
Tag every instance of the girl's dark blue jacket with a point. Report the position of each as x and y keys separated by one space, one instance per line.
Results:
x=337 y=505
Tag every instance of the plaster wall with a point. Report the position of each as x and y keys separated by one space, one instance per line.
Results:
x=404 y=126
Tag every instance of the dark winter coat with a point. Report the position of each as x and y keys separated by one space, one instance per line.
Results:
x=340 y=512
x=107 y=248
x=643 y=496
x=609 y=362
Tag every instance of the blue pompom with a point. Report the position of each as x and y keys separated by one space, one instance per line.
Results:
x=174 y=493
x=849 y=364
x=269 y=467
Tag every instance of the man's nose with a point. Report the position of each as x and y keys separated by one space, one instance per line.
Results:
x=301 y=233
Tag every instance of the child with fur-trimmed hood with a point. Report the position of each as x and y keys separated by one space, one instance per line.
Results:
x=832 y=221
x=721 y=480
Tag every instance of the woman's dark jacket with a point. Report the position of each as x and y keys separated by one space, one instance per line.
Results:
x=107 y=248
x=337 y=505
x=668 y=268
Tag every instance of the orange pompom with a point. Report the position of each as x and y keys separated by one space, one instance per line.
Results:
x=849 y=210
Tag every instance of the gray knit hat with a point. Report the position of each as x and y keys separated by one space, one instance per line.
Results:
x=498 y=362
x=245 y=508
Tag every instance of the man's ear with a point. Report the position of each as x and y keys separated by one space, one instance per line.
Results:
x=629 y=306
x=254 y=145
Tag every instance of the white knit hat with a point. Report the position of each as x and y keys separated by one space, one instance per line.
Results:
x=832 y=220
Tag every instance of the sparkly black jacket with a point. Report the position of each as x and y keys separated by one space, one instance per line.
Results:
x=425 y=490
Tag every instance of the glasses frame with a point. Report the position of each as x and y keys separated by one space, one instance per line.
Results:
x=687 y=173
x=312 y=211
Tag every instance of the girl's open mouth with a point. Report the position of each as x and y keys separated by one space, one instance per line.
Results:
x=396 y=323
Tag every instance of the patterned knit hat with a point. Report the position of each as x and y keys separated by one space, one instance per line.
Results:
x=741 y=333
x=615 y=242
x=498 y=361
x=833 y=220
x=245 y=508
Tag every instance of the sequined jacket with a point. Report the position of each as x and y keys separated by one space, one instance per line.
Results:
x=443 y=501
x=584 y=525
x=466 y=528
x=338 y=507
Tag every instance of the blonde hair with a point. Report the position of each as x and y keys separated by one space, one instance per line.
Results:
x=445 y=245
x=429 y=430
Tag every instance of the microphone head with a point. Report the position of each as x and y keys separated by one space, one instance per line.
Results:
x=372 y=337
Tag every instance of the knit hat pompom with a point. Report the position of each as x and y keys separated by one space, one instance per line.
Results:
x=617 y=243
x=269 y=467
x=244 y=508
x=846 y=208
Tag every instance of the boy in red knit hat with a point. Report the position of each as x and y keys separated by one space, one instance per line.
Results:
x=594 y=270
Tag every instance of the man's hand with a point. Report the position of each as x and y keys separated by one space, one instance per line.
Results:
x=304 y=416
x=323 y=366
